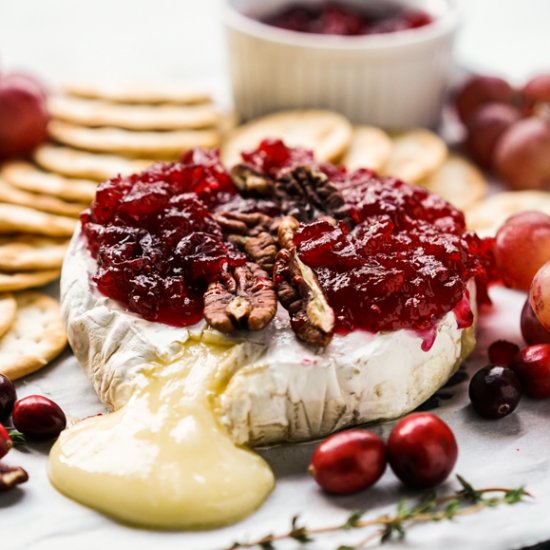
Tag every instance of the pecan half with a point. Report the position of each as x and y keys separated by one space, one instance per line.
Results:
x=305 y=191
x=249 y=181
x=311 y=317
x=10 y=476
x=253 y=233
x=245 y=299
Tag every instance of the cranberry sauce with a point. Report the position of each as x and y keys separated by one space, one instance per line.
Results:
x=393 y=256
x=346 y=19
x=154 y=239
x=404 y=264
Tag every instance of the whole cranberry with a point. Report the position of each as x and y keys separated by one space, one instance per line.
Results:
x=7 y=397
x=532 y=365
x=5 y=441
x=349 y=461
x=494 y=391
x=501 y=352
x=422 y=450
x=531 y=328
x=38 y=417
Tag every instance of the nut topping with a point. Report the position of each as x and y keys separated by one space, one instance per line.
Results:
x=252 y=232
x=249 y=181
x=245 y=300
x=10 y=476
x=305 y=191
x=311 y=317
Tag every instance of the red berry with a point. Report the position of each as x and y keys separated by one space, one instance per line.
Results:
x=502 y=352
x=38 y=417
x=532 y=365
x=5 y=441
x=422 y=450
x=494 y=391
x=7 y=397
x=531 y=328
x=349 y=461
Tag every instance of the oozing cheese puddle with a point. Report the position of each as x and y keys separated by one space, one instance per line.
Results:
x=163 y=460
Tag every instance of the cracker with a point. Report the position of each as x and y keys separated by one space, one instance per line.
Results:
x=45 y=203
x=28 y=177
x=79 y=164
x=10 y=282
x=36 y=337
x=487 y=216
x=327 y=133
x=30 y=253
x=8 y=307
x=14 y=219
x=138 y=92
x=162 y=145
x=370 y=148
x=90 y=112
x=458 y=181
x=415 y=155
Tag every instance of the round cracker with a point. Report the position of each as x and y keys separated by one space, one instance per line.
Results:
x=327 y=133
x=138 y=92
x=28 y=177
x=30 y=253
x=36 y=337
x=19 y=281
x=45 y=203
x=90 y=112
x=487 y=216
x=415 y=155
x=80 y=164
x=370 y=148
x=162 y=145
x=8 y=307
x=15 y=219
x=458 y=181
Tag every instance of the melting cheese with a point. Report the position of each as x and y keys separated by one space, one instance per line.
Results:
x=163 y=460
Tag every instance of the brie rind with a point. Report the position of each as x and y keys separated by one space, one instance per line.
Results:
x=274 y=388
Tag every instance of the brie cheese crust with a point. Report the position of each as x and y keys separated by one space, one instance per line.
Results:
x=274 y=388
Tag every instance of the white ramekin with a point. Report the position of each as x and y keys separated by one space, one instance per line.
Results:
x=393 y=80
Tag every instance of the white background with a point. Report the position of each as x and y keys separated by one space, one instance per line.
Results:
x=63 y=39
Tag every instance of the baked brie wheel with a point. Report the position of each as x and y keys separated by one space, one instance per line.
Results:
x=274 y=388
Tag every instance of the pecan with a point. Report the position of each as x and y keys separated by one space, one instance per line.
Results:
x=245 y=299
x=249 y=181
x=252 y=232
x=305 y=191
x=311 y=317
x=10 y=476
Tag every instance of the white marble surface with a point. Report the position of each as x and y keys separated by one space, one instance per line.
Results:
x=62 y=39
x=510 y=452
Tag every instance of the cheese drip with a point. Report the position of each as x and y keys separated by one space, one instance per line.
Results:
x=163 y=460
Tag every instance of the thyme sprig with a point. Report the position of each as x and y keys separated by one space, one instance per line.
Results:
x=17 y=437
x=430 y=507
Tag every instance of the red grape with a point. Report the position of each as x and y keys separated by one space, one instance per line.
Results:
x=5 y=441
x=23 y=115
x=537 y=90
x=485 y=126
x=522 y=246
x=522 y=154
x=479 y=90
x=502 y=352
x=539 y=295
x=349 y=461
